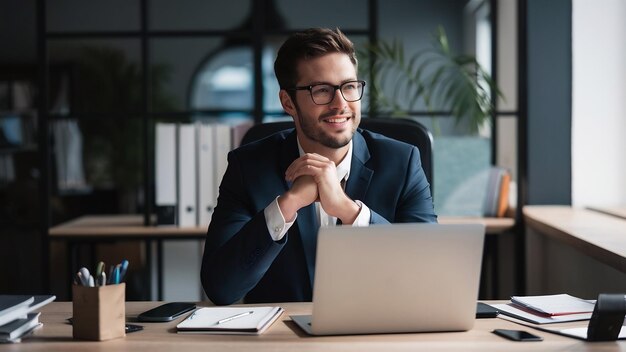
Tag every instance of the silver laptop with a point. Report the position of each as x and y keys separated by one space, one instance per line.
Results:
x=395 y=278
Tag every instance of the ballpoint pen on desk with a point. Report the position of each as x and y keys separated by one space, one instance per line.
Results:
x=222 y=321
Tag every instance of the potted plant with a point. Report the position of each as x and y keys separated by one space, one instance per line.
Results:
x=434 y=77
x=438 y=80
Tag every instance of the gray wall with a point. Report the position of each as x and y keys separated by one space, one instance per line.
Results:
x=549 y=101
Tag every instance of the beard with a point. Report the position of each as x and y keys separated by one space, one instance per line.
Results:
x=313 y=132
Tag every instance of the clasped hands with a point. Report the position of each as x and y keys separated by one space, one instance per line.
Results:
x=314 y=178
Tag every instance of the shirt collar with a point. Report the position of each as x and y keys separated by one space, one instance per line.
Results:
x=343 y=168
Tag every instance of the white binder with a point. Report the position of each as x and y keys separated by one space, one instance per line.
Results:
x=223 y=145
x=187 y=174
x=207 y=192
x=165 y=172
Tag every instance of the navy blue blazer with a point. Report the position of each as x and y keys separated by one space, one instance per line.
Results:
x=241 y=260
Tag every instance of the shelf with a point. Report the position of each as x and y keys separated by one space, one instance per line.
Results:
x=18 y=149
x=132 y=225
x=120 y=227
x=493 y=226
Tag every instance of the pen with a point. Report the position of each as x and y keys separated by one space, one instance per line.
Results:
x=84 y=276
x=103 y=279
x=116 y=275
x=234 y=317
x=99 y=268
x=111 y=269
x=79 y=278
x=123 y=268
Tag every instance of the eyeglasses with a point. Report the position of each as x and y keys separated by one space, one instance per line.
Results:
x=323 y=94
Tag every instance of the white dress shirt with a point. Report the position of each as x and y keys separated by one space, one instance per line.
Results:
x=275 y=220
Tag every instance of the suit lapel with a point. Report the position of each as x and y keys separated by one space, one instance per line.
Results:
x=307 y=221
x=360 y=175
x=288 y=153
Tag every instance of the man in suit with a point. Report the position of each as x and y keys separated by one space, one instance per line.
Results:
x=276 y=192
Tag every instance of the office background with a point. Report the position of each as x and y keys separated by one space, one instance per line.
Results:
x=557 y=127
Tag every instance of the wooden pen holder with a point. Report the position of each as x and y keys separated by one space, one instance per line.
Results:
x=99 y=312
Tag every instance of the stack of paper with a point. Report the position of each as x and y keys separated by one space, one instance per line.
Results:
x=16 y=317
x=579 y=332
x=548 y=309
x=230 y=320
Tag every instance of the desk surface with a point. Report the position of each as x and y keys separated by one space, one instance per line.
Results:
x=284 y=335
x=105 y=226
x=619 y=211
x=599 y=235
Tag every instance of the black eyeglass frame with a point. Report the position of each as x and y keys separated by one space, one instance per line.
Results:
x=335 y=88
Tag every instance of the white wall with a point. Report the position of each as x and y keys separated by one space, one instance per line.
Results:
x=598 y=102
x=507 y=82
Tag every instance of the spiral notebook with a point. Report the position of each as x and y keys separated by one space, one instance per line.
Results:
x=230 y=320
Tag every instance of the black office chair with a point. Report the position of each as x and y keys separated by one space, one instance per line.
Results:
x=405 y=130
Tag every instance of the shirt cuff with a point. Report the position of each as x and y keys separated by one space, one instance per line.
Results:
x=276 y=224
x=363 y=219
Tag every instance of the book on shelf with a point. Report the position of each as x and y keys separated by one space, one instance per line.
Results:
x=503 y=196
x=230 y=320
x=497 y=196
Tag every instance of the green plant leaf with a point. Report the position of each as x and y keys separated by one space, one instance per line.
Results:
x=433 y=76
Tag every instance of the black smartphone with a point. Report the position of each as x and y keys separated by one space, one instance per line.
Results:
x=166 y=312
x=517 y=335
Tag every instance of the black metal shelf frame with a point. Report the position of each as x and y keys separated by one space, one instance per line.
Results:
x=258 y=33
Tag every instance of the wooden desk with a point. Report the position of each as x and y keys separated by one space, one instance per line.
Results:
x=619 y=211
x=600 y=236
x=284 y=335
x=97 y=228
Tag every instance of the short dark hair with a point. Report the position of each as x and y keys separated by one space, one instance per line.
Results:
x=309 y=44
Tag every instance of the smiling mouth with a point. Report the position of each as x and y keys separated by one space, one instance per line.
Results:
x=337 y=119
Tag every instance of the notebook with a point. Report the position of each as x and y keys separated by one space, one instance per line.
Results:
x=395 y=278
x=230 y=320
